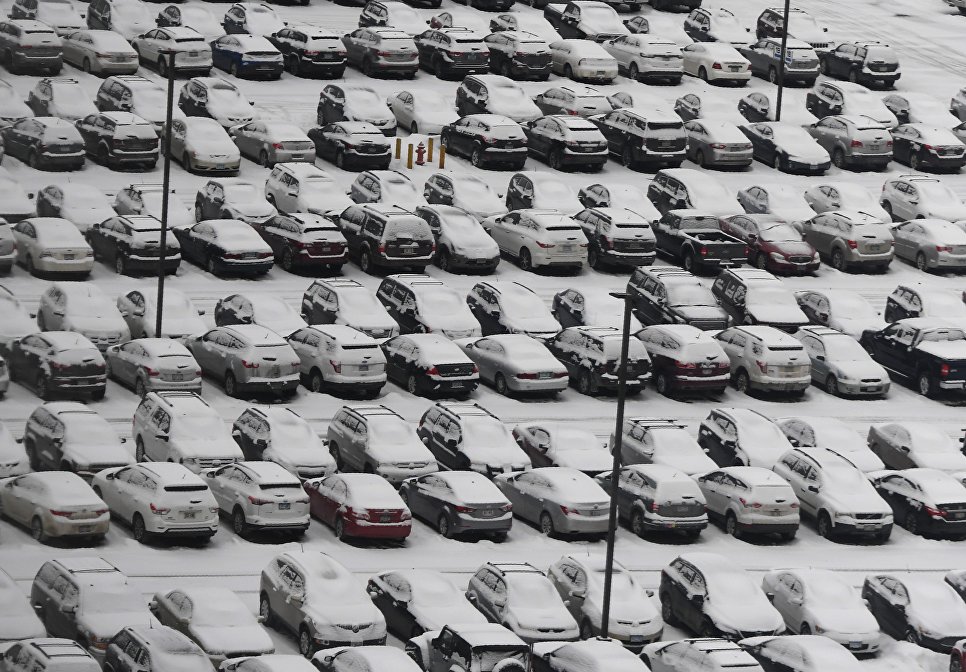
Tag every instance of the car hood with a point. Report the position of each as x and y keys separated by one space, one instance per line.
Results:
x=15 y=201
x=948 y=211
x=864 y=459
x=585 y=460
x=747 y=615
x=410 y=451
x=938 y=620
x=857 y=619
x=96 y=324
x=346 y=612
x=695 y=462
x=783 y=314
x=105 y=625
x=951 y=461
x=944 y=349
x=435 y=617
x=84 y=218
x=496 y=454
x=300 y=456
x=858 y=500
x=320 y=204
x=519 y=109
x=101 y=453
x=218 y=447
x=793 y=248
x=860 y=369
x=548 y=615
x=855 y=327
x=461 y=321
x=536 y=324
x=702 y=312
x=484 y=206
x=233 y=640
x=179 y=326
x=253 y=208
x=24 y=625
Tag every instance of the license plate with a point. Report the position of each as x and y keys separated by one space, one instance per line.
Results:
x=735 y=68
x=777 y=512
x=284 y=506
x=637 y=639
x=488 y=513
x=177 y=376
x=193 y=54
x=190 y=514
x=296 y=157
x=85 y=528
x=869 y=389
x=875 y=147
x=68 y=257
x=457 y=384
x=959 y=516
x=543 y=375
x=363 y=367
x=855 y=645
x=220 y=166
x=567 y=248
x=384 y=518
x=275 y=371
x=600 y=73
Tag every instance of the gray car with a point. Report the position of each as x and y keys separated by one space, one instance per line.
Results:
x=102 y=52
x=247 y=358
x=713 y=144
x=459 y=502
x=853 y=141
x=841 y=365
x=850 y=239
x=932 y=244
x=271 y=142
x=516 y=363
x=152 y=364
x=559 y=499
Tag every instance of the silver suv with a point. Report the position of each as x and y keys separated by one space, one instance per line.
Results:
x=248 y=358
x=853 y=141
x=850 y=240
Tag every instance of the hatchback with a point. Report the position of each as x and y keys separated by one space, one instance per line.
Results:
x=716 y=143
x=841 y=365
x=232 y=198
x=850 y=240
x=339 y=358
x=751 y=500
x=915 y=444
x=685 y=359
x=421 y=304
x=462 y=244
x=486 y=140
x=382 y=50
x=154 y=649
x=927 y=147
x=45 y=143
x=247 y=358
x=311 y=51
x=352 y=145
x=660 y=441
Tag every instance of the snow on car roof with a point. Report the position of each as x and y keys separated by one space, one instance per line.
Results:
x=572 y=483
x=597 y=654
x=756 y=476
x=163 y=346
x=487 y=634
x=345 y=334
x=68 y=486
x=280 y=662
x=268 y=472
x=471 y=486
x=171 y=472
x=254 y=42
x=371 y=491
x=942 y=487
x=67 y=340
x=256 y=334
x=661 y=472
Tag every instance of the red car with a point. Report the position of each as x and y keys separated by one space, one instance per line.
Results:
x=773 y=244
x=957 y=657
x=359 y=505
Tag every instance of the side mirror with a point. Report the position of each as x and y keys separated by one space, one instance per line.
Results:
x=161 y=437
x=450 y=443
x=820 y=358
x=201 y=312
x=59 y=313
x=578 y=593
x=68 y=608
x=261 y=443
x=697 y=600
x=904 y=449
x=704 y=29
x=795 y=601
x=813 y=488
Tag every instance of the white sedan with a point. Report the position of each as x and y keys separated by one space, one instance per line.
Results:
x=553 y=444
x=140 y=310
x=422 y=111
x=716 y=61
x=54 y=504
x=52 y=245
x=845 y=196
x=202 y=145
x=191 y=52
x=260 y=496
x=516 y=363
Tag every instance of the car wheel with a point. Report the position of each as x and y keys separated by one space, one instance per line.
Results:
x=140 y=388
x=288 y=259
x=294 y=66
x=555 y=160
x=637 y=522
x=337 y=456
x=913 y=162
x=526 y=261
x=921 y=262
x=499 y=382
x=546 y=524
x=742 y=382
x=340 y=528
x=365 y=261
x=824 y=526
x=263 y=159
x=911 y=522
x=505 y=69
x=773 y=75
x=699 y=158
x=586 y=629
x=87 y=65
x=688 y=261
x=103 y=156
x=761 y=261
x=29 y=265
x=265 y=614
x=832 y=386
x=586 y=384
x=43 y=387
x=33 y=160
x=593 y=258
x=120 y=265
x=627 y=157
x=476 y=157
x=413 y=128
x=838 y=157
x=708 y=630
x=238 y=524
x=887 y=206
x=923 y=384
x=139 y=453
x=838 y=261
x=231 y=386
x=412 y=385
x=443 y=260
x=912 y=637
x=853 y=76
x=306 y=645
x=41 y=321
x=805 y=629
x=442 y=526
x=662 y=385
x=731 y=525
x=568 y=72
x=777 y=162
x=633 y=72
x=138 y=529
x=955 y=660
x=162 y=67
x=667 y=612
x=702 y=74
x=316 y=381
x=211 y=265
x=233 y=69
x=439 y=68
x=37 y=529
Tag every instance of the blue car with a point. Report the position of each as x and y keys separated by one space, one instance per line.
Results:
x=249 y=56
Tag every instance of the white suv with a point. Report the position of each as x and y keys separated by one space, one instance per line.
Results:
x=538 y=238
x=751 y=500
x=182 y=427
x=159 y=499
x=260 y=496
x=337 y=358
x=303 y=187
x=920 y=197
x=764 y=358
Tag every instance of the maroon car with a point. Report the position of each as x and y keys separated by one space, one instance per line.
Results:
x=773 y=244
x=685 y=359
x=360 y=506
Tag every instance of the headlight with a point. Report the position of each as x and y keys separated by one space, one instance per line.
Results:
x=777 y=256
x=844 y=515
x=819 y=630
x=189 y=460
x=815 y=256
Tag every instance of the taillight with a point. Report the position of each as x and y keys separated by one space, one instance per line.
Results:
x=465 y=509
x=382 y=249
x=718 y=145
x=506 y=508
x=747 y=251
x=476 y=369
x=310 y=53
x=715 y=66
x=607 y=242
x=934 y=512
x=655 y=506
x=943 y=248
x=545 y=246
x=750 y=505
x=258 y=501
x=276 y=145
x=856 y=143
x=685 y=365
x=943 y=370
x=526 y=376
x=249 y=365
x=384 y=54
x=62 y=514
x=852 y=244
x=154 y=373
x=433 y=371
x=336 y=366
x=794 y=505
x=703 y=251
x=159 y=510
x=763 y=366
x=929 y=148
x=567 y=511
x=572 y=113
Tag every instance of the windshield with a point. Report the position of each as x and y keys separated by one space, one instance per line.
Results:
x=938 y=335
x=224 y=94
x=200 y=426
x=552 y=190
x=148 y=98
x=390 y=430
x=844 y=348
x=435 y=594
x=623 y=588
x=599 y=14
x=97 y=305
x=690 y=295
x=245 y=193
x=758 y=431
x=474 y=187
x=832 y=591
x=178 y=303
x=219 y=613
x=734 y=587
x=90 y=429
x=361 y=302
x=635 y=349
x=398 y=189
x=852 y=306
x=845 y=477
x=769 y=295
x=459 y=222
x=780 y=233
x=485 y=430
x=532 y=590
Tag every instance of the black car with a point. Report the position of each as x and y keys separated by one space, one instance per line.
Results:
x=451 y=502
x=58 y=363
x=567 y=142
x=45 y=143
x=352 y=145
x=900 y=602
x=148 y=648
x=506 y=307
x=132 y=243
x=200 y=94
x=592 y=358
x=119 y=139
x=924 y=501
x=487 y=140
x=617 y=237
x=756 y=107
x=305 y=241
x=519 y=55
x=925 y=147
x=225 y=246
x=386 y=236
x=342 y=102
x=755 y=296
x=311 y=51
x=868 y=63
x=646 y=508
x=450 y=51
x=430 y=365
x=644 y=137
x=668 y=295
x=926 y=351
x=786 y=147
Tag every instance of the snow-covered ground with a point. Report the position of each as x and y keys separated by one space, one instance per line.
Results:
x=929 y=38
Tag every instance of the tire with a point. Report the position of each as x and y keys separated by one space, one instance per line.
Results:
x=633 y=72
x=955 y=661
x=412 y=384
x=442 y=526
x=838 y=157
x=306 y=645
x=337 y=456
x=627 y=157
x=32 y=160
x=586 y=384
x=586 y=629
x=824 y=526
x=688 y=261
x=37 y=530
x=777 y=162
x=29 y=265
x=887 y=206
x=233 y=69
x=912 y=637
x=699 y=158
x=662 y=384
x=742 y=381
x=476 y=156
x=925 y=385
x=413 y=128
x=702 y=74
x=546 y=525
x=163 y=68
x=211 y=266
x=913 y=162
x=526 y=260
x=731 y=526
x=773 y=75
x=761 y=261
x=555 y=160
x=708 y=630
x=805 y=629
x=921 y=262
x=231 y=385
x=87 y=65
x=238 y=523
x=316 y=381
x=838 y=261
x=787 y=536
x=140 y=388
x=439 y=69
x=263 y=159
x=265 y=610
x=288 y=259
x=853 y=76
x=568 y=72
x=667 y=612
x=499 y=382
x=41 y=321
x=340 y=529
x=98 y=395
x=443 y=260
x=340 y=159
x=43 y=387
x=832 y=386
x=139 y=453
x=120 y=265
x=593 y=258
x=103 y=156
x=365 y=262
x=637 y=523
x=138 y=530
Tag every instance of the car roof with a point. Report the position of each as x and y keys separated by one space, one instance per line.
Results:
x=256 y=333
x=755 y=475
x=486 y=634
x=81 y=564
x=344 y=334
x=770 y=335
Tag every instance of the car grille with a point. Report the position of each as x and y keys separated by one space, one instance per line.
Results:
x=688 y=510
x=213 y=463
x=532 y=60
x=455 y=370
x=34 y=52
x=587 y=147
x=800 y=259
x=820 y=45
x=134 y=144
x=706 y=325
x=634 y=246
x=663 y=145
x=805 y=64
x=949 y=151
x=371 y=148
x=353 y=627
x=378 y=333
x=868 y=516
x=883 y=67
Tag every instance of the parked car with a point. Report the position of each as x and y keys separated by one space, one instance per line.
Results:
x=150 y=364
x=54 y=505
x=304 y=188
x=311 y=51
x=217 y=99
x=841 y=365
x=486 y=139
x=561 y=500
x=421 y=304
x=325 y=588
x=269 y=311
x=915 y=444
x=772 y=22
x=232 y=198
x=382 y=50
x=764 y=56
x=908 y=300
x=833 y=434
x=550 y=444
x=359 y=506
x=45 y=143
x=573 y=100
x=711 y=597
x=345 y=301
x=644 y=136
x=181 y=48
x=260 y=497
x=712 y=144
x=418 y=600
x=59 y=97
x=16 y=324
x=386 y=236
x=461 y=242
x=339 y=358
x=146 y=199
x=828 y=98
x=541 y=190
x=932 y=244
x=135 y=94
x=713 y=654
x=159 y=499
x=31 y=47
x=198 y=18
x=685 y=188
x=533 y=23
x=455 y=503
x=15 y=204
x=69 y=436
x=272 y=142
x=247 y=56
x=206 y=614
x=773 y=244
x=181 y=319
x=798 y=652
x=753 y=296
x=840 y=309
x=496 y=95
x=422 y=111
x=854 y=140
x=591 y=355
x=280 y=435
x=253 y=18
x=926 y=147
x=786 y=364
x=592 y=307
x=467 y=192
x=202 y=146
x=452 y=51
x=392 y=13
x=170 y=426
x=751 y=501
x=352 y=145
x=742 y=437
x=685 y=359
x=58 y=363
x=844 y=196
x=787 y=148
x=925 y=501
x=695 y=237
x=236 y=354
x=225 y=247
x=511 y=308
x=523 y=600
x=583 y=60
x=21 y=621
x=539 y=238
x=647 y=58
x=61 y=16
x=133 y=244
x=778 y=200
x=518 y=54
x=126 y=17
x=52 y=246
x=850 y=240
x=516 y=364
x=485 y=645
x=928 y=352
x=920 y=197
x=905 y=606
x=389 y=187
x=376 y=439
x=715 y=24
x=467 y=437
x=866 y=62
x=345 y=102
x=664 y=442
x=716 y=63
x=920 y=108
x=658 y=498
x=669 y=295
x=84 y=308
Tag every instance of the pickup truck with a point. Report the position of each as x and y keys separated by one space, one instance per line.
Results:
x=695 y=238
x=928 y=352
x=586 y=20
x=484 y=647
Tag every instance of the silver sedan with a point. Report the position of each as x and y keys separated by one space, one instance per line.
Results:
x=271 y=142
x=153 y=364
x=103 y=52
x=558 y=499
x=516 y=363
x=932 y=244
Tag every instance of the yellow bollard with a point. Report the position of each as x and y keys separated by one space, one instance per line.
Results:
x=398 y=148
x=442 y=156
x=429 y=150
x=409 y=158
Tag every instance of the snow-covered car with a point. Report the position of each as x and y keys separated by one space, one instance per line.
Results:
x=226 y=247
x=800 y=653
x=345 y=102
x=665 y=442
x=467 y=192
x=181 y=318
x=247 y=56
x=422 y=111
x=841 y=366
x=181 y=48
x=567 y=142
x=523 y=600
x=214 y=618
x=842 y=195
x=910 y=300
x=312 y=596
x=850 y=98
x=716 y=24
x=15 y=203
x=359 y=506
x=196 y=17
x=81 y=204
x=928 y=148
x=533 y=23
x=304 y=188
x=19 y=620
x=756 y=297
x=151 y=364
x=619 y=196
x=248 y=358
x=713 y=62
x=351 y=145
x=579 y=579
x=591 y=307
x=583 y=60
x=390 y=187
x=12 y=107
x=590 y=655
x=910 y=107
x=926 y=502
x=13 y=462
x=260 y=497
x=145 y=199
x=62 y=363
x=787 y=147
x=466 y=436
x=461 y=241
x=271 y=142
x=69 y=436
x=542 y=190
x=561 y=500
x=202 y=146
x=911 y=444
x=232 y=198
x=518 y=54
x=920 y=196
x=562 y=243
x=552 y=444
x=421 y=304
x=182 y=427
x=504 y=307
x=840 y=309
x=931 y=244
x=268 y=311
x=684 y=358
x=58 y=14
x=516 y=364
x=765 y=358
x=486 y=139
x=51 y=245
x=457 y=503
x=84 y=308
x=364 y=658
x=719 y=655
x=752 y=501
x=395 y=14
x=821 y=602
x=415 y=601
x=60 y=97
x=338 y=358
x=853 y=141
x=919 y=609
x=215 y=98
x=658 y=498
x=741 y=436
x=708 y=594
x=345 y=301
x=780 y=200
x=130 y=18
x=835 y=494
x=280 y=435
x=495 y=94
x=686 y=188
x=253 y=18
x=831 y=434
x=717 y=143
x=773 y=244
x=647 y=58
x=159 y=499
x=54 y=504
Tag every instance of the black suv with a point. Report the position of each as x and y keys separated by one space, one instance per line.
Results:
x=617 y=237
x=47 y=654
x=904 y=301
x=133 y=244
x=345 y=301
x=148 y=649
x=928 y=351
x=736 y=289
x=668 y=295
x=430 y=364
x=387 y=236
x=486 y=140
x=507 y=307
x=119 y=139
x=406 y=296
x=457 y=435
x=451 y=51
x=311 y=51
x=592 y=358
x=643 y=137
x=868 y=63
x=519 y=55
x=59 y=362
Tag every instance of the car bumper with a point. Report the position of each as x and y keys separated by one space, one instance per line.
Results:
x=281 y=384
x=635 y=637
x=22 y=60
x=295 y=523
x=758 y=524
x=871 y=259
x=947 y=260
x=466 y=68
x=464 y=523
x=942 y=162
x=653 y=521
x=569 y=158
x=370 y=530
x=863 y=76
x=718 y=382
x=869 y=160
x=524 y=71
x=944 y=528
x=728 y=75
x=807 y=168
x=397 y=473
x=112 y=68
x=203 y=165
x=395 y=66
x=76 y=528
x=137 y=158
x=853 y=528
x=501 y=155
x=355 y=383
x=610 y=381
x=482 y=265
x=294 y=156
x=781 y=384
x=154 y=385
x=580 y=524
x=531 y=385
x=269 y=70
x=204 y=528
x=718 y=157
x=321 y=68
x=136 y=263
x=794 y=268
x=442 y=386
x=534 y=635
x=85 y=385
x=332 y=643
x=860 y=389
x=244 y=268
x=660 y=75
x=71 y=161
x=368 y=160
x=952 y=384
x=602 y=77
x=855 y=642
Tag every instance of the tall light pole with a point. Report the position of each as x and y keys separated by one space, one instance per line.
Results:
x=782 y=61
x=165 y=187
x=612 y=514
